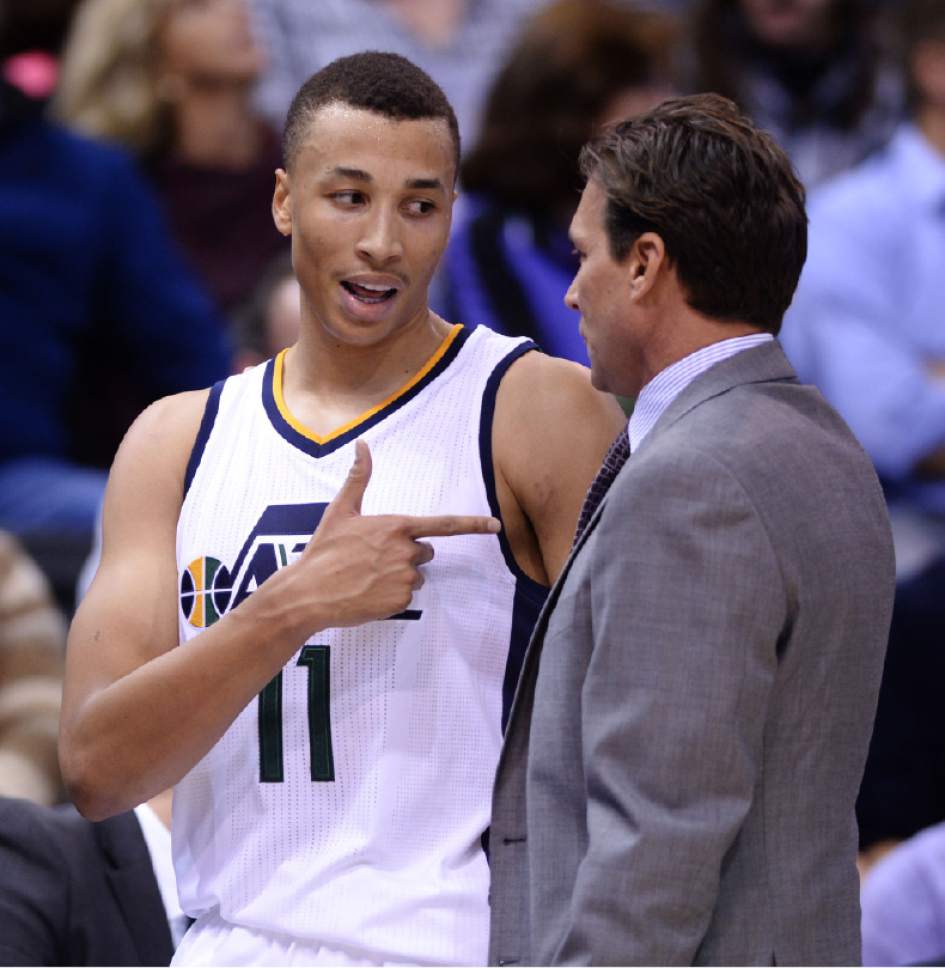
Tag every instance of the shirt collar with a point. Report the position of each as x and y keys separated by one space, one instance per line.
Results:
x=158 y=840
x=660 y=392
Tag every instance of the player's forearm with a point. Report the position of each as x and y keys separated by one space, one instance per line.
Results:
x=143 y=732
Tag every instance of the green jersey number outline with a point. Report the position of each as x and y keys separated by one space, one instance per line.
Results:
x=271 y=759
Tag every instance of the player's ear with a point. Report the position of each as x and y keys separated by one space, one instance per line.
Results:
x=281 y=210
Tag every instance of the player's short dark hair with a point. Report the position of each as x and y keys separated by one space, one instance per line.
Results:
x=721 y=194
x=387 y=84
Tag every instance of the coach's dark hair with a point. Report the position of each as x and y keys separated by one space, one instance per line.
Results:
x=720 y=193
x=387 y=84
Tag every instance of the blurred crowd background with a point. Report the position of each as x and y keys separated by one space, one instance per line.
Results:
x=138 y=140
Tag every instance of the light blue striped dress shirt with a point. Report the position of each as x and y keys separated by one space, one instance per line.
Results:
x=866 y=326
x=660 y=392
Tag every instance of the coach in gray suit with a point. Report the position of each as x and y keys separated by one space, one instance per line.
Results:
x=689 y=733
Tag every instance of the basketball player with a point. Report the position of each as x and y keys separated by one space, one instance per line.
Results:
x=333 y=717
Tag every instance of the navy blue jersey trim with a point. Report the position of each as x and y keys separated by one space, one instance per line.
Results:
x=203 y=434
x=314 y=449
x=485 y=456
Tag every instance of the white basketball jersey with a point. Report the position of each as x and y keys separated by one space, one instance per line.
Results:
x=347 y=805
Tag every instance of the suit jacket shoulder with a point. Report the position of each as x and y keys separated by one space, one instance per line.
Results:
x=77 y=893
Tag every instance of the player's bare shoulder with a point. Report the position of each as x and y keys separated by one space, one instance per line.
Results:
x=162 y=437
x=169 y=422
x=147 y=476
x=550 y=434
x=547 y=402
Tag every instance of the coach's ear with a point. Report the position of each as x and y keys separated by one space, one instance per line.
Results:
x=281 y=209
x=646 y=259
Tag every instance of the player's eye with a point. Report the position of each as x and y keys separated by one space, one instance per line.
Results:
x=349 y=198
x=420 y=206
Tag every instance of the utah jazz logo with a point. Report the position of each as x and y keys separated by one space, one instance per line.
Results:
x=208 y=589
x=205 y=590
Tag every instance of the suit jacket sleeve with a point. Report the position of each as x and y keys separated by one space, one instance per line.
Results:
x=33 y=889
x=687 y=604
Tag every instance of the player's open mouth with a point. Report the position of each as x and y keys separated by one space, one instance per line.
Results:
x=369 y=293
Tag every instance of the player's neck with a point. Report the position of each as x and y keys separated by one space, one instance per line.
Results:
x=328 y=382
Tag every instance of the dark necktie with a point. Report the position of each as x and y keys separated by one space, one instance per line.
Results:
x=615 y=458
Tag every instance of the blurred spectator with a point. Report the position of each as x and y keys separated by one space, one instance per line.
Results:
x=459 y=43
x=810 y=71
x=903 y=902
x=74 y=892
x=867 y=328
x=32 y=647
x=577 y=64
x=97 y=318
x=172 y=81
x=272 y=319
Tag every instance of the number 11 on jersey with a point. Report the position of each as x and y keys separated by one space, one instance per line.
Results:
x=271 y=760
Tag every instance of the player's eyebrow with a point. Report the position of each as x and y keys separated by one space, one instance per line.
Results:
x=356 y=174
x=432 y=184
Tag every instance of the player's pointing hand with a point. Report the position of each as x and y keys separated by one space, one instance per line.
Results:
x=359 y=568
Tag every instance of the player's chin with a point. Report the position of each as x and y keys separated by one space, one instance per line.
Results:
x=365 y=332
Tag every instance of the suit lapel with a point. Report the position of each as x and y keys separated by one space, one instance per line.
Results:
x=522 y=702
x=131 y=879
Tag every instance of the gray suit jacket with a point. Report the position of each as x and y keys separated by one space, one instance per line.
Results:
x=687 y=740
x=77 y=893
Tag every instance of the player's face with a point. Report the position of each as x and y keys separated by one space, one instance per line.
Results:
x=368 y=204
x=601 y=292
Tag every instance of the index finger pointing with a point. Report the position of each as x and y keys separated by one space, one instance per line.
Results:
x=445 y=525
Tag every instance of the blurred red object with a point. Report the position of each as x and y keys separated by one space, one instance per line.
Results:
x=34 y=72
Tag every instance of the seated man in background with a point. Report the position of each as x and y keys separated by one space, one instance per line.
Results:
x=79 y=893
x=868 y=328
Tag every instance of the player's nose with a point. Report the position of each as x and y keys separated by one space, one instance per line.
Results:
x=380 y=242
